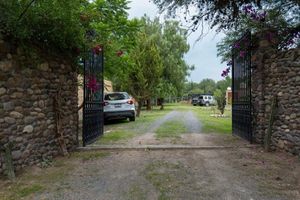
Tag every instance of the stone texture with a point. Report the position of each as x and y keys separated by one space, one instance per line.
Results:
x=28 y=129
x=27 y=117
x=9 y=120
x=16 y=115
x=275 y=75
x=2 y=91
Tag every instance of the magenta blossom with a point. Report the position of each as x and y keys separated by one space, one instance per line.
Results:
x=92 y=84
x=242 y=54
x=236 y=45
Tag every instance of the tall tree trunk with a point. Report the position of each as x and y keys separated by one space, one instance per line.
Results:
x=139 y=108
x=161 y=103
x=148 y=104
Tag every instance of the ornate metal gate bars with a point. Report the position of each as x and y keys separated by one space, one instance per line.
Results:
x=93 y=96
x=241 y=87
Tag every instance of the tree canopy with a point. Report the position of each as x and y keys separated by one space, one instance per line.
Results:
x=222 y=14
x=155 y=66
x=69 y=26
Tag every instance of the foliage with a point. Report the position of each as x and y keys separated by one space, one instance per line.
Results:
x=151 y=70
x=51 y=24
x=69 y=27
x=172 y=48
x=145 y=70
x=272 y=21
x=221 y=100
x=206 y=86
x=225 y=14
x=224 y=84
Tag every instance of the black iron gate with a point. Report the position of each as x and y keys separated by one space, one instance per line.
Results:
x=241 y=88
x=93 y=96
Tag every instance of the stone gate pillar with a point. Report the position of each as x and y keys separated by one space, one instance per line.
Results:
x=264 y=48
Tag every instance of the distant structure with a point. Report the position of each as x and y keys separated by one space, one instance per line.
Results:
x=229 y=96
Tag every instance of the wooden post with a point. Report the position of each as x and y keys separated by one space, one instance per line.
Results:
x=268 y=136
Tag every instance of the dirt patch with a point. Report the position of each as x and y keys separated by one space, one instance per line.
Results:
x=181 y=174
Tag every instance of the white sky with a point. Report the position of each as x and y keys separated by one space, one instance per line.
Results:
x=202 y=54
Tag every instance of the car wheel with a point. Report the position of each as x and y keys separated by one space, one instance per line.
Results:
x=132 y=119
x=207 y=104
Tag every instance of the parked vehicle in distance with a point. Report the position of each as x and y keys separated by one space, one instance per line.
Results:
x=195 y=101
x=118 y=105
x=206 y=100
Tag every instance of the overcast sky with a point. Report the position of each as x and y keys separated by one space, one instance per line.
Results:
x=202 y=54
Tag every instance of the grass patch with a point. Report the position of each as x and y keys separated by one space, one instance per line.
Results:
x=90 y=155
x=20 y=190
x=212 y=124
x=34 y=180
x=171 y=129
x=166 y=177
x=222 y=125
x=136 y=192
x=26 y=191
x=122 y=130
x=114 y=136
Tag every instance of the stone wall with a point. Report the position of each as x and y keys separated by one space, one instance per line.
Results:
x=27 y=113
x=277 y=74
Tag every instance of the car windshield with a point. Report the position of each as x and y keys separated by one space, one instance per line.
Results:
x=116 y=96
x=201 y=97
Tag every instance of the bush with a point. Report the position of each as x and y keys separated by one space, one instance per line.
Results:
x=51 y=24
x=220 y=97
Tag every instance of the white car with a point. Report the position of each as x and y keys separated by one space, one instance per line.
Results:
x=118 y=105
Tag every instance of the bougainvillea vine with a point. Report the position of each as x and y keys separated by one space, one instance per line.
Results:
x=92 y=84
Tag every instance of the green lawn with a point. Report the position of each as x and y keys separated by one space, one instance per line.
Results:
x=171 y=129
x=211 y=124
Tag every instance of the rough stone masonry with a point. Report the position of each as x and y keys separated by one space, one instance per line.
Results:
x=277 y=73
x=27 y=114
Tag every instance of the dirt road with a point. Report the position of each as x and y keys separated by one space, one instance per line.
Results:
x=240 y=174
x=193 y=135
x=216 y=174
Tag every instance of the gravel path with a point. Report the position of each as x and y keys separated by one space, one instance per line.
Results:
x=190 y=121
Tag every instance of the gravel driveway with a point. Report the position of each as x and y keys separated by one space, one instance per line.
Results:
x=180 y=174
x=191 y=122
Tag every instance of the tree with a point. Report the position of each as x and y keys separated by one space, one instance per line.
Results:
x=225 y=14
x=220 y=93
x=173 y=46
x=171 y=43
x=207 y=85
x=273 y=22
x=220 y=97
x=145 y=70
x=69 y=27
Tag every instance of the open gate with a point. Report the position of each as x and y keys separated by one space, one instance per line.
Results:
x=241 y=88
x=93 y=96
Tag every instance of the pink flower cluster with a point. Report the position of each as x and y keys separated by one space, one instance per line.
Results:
x=120 y=53
x=97 y=49
x=92 y=84
x=226 y=72
x=254 y=14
